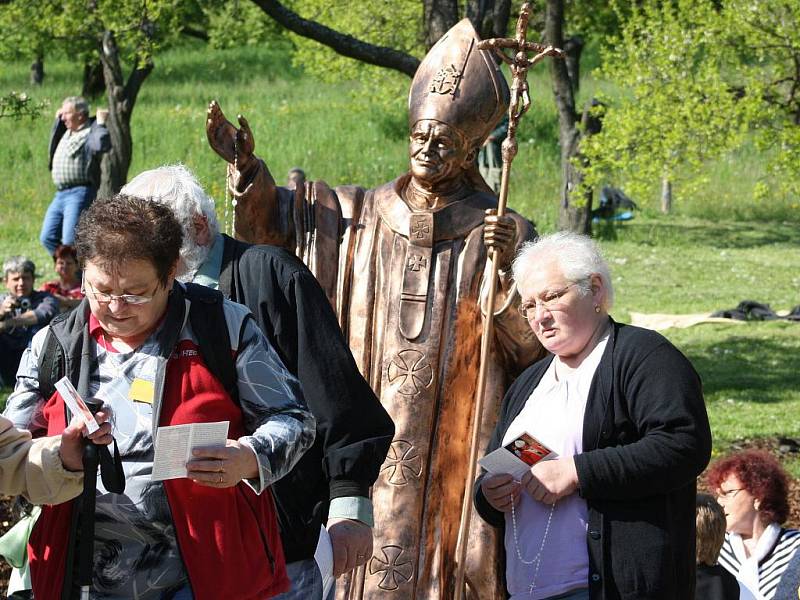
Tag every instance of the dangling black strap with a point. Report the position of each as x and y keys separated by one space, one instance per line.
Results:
x=111 y=469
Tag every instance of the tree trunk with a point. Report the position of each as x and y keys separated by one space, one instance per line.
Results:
x=438 y=16
x=344 y=44
x=575 y=208
x=37 y=70
x=489 y=17
x=121 y=100
x=93 y=80
x=666 y=195
x=573 y=48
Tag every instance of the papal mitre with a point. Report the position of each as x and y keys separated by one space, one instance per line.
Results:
x=459 y=85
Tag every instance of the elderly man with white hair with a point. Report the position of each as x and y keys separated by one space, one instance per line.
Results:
x=332 y=480
x=611 y=513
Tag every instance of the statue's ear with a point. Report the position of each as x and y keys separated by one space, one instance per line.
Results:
x=470 y=158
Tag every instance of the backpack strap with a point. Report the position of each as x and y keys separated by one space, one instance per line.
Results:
x=51 y=365
x=207 y=318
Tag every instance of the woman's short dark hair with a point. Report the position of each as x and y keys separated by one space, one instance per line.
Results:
x=65 y=251
x=761 y=475
x=117 y=230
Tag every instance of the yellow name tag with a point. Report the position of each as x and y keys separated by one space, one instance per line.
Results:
x=142 y=390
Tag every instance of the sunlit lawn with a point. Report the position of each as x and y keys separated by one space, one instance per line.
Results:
x=698 y=260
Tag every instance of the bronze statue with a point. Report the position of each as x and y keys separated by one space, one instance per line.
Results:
x=404 y=266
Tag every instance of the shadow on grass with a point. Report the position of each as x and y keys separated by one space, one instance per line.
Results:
x=765 y=368
x=727 y=234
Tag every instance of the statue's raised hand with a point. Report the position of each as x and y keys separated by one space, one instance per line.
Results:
x=230 y=143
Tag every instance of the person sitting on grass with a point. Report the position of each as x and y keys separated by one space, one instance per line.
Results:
x=67 y=288
x=753 y=489
x=713 y=581
x=22 y=313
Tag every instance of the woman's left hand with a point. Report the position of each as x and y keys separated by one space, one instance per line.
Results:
x=223 y=467
x=550 y=480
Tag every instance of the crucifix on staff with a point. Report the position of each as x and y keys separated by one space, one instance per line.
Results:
x=519 y=62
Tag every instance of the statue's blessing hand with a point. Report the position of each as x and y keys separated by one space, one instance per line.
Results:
x=232 y=144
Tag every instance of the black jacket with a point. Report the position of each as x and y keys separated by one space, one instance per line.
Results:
x=353 y=429
x=646 y=438
x=715 y=583
x=97 y=142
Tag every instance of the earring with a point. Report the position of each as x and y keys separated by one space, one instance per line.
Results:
x=597 y=308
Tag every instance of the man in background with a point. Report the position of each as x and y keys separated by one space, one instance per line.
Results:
x=77 y=143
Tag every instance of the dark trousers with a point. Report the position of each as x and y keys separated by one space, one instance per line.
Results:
x=9 y=361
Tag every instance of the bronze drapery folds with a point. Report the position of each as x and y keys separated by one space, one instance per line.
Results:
x=405 y=267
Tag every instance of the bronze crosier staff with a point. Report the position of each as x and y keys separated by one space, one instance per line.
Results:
x=518 y=63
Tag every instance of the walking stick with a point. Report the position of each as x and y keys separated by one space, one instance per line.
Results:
x=91 y=461
x=518 y=63
x=113 y=476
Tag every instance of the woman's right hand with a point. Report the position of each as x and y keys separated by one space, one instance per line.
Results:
x=501 y=491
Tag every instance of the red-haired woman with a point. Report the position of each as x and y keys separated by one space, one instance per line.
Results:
x=752 y=488
x=67 y=288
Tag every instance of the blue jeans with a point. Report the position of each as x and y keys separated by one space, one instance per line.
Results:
x=306 y=581
x=62 y=215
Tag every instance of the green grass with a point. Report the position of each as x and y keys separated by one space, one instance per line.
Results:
x=719 y=247
x=681 y=265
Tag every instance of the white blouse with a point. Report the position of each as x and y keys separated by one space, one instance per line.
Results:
x=553 y=414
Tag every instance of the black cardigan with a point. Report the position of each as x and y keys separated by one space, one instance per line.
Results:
x=353 y=429
x=646 y=438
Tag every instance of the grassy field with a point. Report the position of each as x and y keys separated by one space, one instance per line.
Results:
x=717 y=248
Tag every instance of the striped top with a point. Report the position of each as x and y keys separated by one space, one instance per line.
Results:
x=771 y=567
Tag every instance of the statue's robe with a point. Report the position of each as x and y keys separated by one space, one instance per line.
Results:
x=406 y=287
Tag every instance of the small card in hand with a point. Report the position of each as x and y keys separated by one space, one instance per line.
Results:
x=517 y=457
x=528 y=449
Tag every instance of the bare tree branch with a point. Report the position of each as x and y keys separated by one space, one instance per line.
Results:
x=342 y=43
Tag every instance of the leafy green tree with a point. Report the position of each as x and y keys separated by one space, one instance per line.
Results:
x=765 y=34
x=17 y=105
x=231 y=24
x=121 y=34
x=393 y=34
x=700 y=78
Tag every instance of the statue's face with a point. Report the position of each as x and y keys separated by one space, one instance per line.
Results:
x=438 y=152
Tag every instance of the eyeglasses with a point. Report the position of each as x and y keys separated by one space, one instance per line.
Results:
x=105 y=298
x=551 y=301
x=728 y=493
